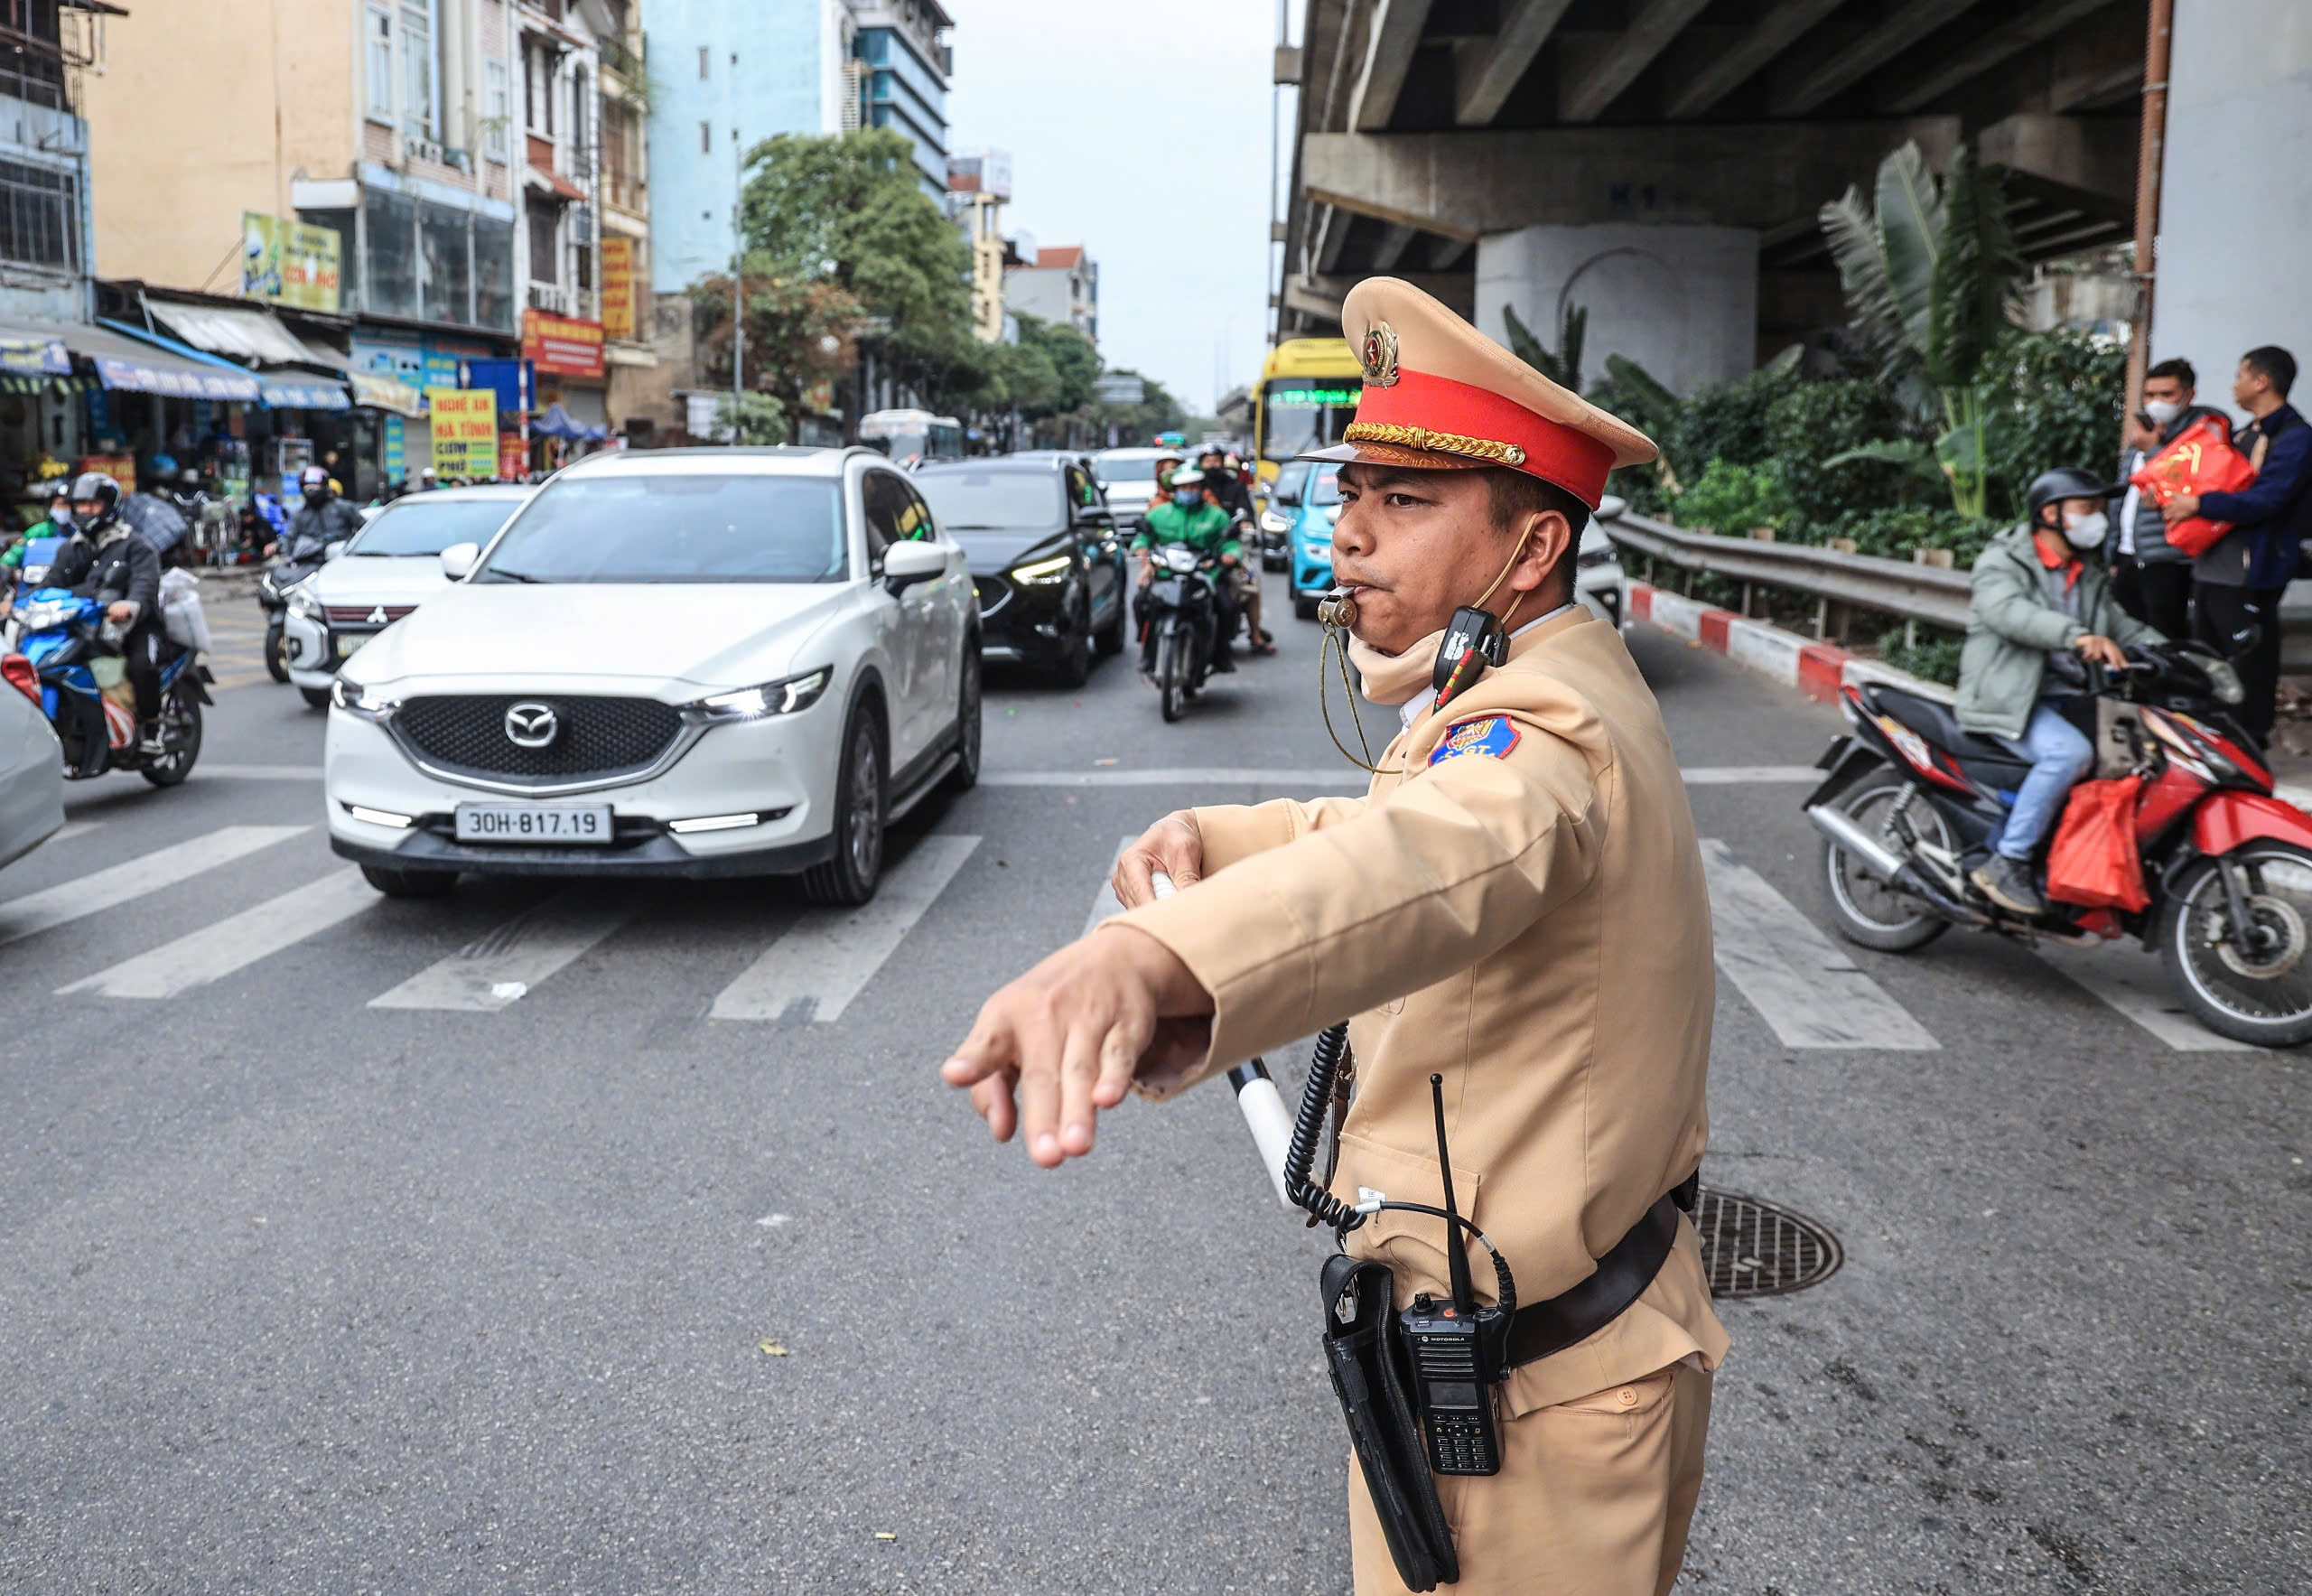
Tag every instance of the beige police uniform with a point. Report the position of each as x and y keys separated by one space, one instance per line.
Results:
x=1518 y=905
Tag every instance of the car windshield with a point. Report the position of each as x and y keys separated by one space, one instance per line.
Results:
x=427 y=526
x=990 y=501
x=661 y=528
x=1290 y=478
x=1135 y=473
x=1324 y=488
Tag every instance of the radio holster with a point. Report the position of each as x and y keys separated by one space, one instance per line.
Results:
x=1365 y=1357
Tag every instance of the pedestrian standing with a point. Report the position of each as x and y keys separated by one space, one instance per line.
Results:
x=2150 y=577
x=1515 y=910
x=2238 y=582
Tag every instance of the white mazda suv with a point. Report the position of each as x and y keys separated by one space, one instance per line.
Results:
x=672 y=662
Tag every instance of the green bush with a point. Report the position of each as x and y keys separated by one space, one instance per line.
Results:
x=1892 y=533
x=1733 y=498
x=2060 y=401
x=1935 y=655
x=1724 y=421
x=1816 y=421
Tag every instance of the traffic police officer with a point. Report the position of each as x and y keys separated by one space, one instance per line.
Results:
x=1517 y=905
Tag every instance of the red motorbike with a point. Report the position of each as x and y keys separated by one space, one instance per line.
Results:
x=1910 y=802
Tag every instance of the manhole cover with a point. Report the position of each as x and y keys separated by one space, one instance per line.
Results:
x=1755 y=1249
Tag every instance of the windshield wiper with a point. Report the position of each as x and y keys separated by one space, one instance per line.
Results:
x=502 y=574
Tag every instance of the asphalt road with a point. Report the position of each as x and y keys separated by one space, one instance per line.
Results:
x=582 y=1288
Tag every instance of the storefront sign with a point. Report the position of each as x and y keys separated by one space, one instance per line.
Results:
x=465 y=431
x=562 y=344
x=395 y=450
x=618 y=286
x=386 y=393
x=289 y=262
x=513 y=456
x=34 y=357
x=176 y=382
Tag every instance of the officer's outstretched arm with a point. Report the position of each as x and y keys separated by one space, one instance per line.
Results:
x=1417 y=885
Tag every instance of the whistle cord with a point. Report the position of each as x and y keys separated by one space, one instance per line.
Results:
x=1339 y=653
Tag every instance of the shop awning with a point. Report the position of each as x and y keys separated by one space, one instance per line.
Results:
x=241 y=335
x=298 y=390
x=132 y=364
x=383 y=393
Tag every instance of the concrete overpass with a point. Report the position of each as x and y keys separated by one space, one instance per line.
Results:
x=1661 y=162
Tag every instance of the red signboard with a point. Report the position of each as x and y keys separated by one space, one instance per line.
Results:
x=513 y=457
x=562 y=344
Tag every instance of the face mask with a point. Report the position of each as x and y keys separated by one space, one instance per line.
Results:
x=2162 y=411
x=1395 y=678
x=60 y=515
x=1188 y=498
x=2087 y=531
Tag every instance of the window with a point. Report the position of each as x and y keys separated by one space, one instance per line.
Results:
x=380 y=56
x=417 y=108
x=445 y=264
x=706 y=62
x=545 y=253
x=880 y=493
x=497 y=108
x=705 y=138
x=618 y=164
x=389 y=282
x=39 y=217
x=537 y=92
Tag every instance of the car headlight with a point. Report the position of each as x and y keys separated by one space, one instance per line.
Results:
x=1275 y=521
x=363 y=702
x=786 y=695
x=302 y=602
x=1043 y=573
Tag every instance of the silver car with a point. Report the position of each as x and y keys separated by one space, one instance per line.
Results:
x=32 y=766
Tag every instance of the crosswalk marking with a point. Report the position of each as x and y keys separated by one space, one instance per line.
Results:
x=1103 y=897
x=1810 y=994
x=117 y=884
x=496 y=969
x=2138 y=988
x=234 y=942
x=827 y=957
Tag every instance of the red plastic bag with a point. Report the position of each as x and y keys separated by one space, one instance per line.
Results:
x=2093 y=863
x=2199 y=459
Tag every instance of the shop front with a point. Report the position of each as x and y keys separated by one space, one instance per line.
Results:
x=574 y=388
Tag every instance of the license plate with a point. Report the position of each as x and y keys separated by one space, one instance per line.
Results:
x=534 y=823
x=347 y=645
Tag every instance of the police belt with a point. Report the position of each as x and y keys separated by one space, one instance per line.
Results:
x=1621 y=1277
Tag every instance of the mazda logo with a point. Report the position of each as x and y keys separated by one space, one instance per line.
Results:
x=532 y=725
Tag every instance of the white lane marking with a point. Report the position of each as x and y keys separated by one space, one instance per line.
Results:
x=1751 y=775
x=2138 y=988
x=1103 y=901
x=73 y=828
x=497 y=968
x=262 y=772
x=119 y=883
x=827 y=957
x=234 y=942
x=1351 y=780
x=1809 y=992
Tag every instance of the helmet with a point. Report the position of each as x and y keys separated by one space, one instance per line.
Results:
x=98 y=489
x=2066 y=481
x=1188 y=476
x=188 y=477
x=164 y=465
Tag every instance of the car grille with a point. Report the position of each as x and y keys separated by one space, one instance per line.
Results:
x=595 y=736
x=363 y=614
x=994 y=593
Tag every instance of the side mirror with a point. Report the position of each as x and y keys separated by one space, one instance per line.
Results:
x=458 y=560
x=333 y=548
x=1612 y=506
x=907 y=563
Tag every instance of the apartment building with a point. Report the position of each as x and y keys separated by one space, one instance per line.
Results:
x=1058 y=284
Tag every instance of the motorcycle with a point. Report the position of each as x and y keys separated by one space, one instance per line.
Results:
x=65 y=645
x=1910 y=802
x=273 y=595
x=1180 y=619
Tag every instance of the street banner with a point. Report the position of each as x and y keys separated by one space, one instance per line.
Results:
x=617 y=287
x=465 y=431
x=563 y=345
x=513 y=456
x=289 y=263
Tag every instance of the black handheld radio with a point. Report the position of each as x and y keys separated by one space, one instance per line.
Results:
x=1456 y=1348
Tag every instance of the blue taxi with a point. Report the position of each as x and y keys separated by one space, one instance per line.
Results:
x=1308 y=539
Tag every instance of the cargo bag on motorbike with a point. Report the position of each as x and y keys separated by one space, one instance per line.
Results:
x=2093 y=863
x=181 y=616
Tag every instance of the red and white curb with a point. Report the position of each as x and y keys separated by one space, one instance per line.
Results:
x=1818 y=670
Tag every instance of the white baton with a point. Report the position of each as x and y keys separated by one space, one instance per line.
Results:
x=1256 y=1096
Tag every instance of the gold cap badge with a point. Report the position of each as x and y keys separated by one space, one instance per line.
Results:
x=1380 y=355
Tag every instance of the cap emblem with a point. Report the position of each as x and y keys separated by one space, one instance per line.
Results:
x=1380 y=355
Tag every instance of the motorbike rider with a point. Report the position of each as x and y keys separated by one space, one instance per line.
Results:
x=320 y=521
x=2039 y=610
x=106 y=561
x=1227 y=490
x=1190 y=519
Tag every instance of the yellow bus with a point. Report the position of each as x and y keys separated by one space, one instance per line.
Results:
x=1308 y=392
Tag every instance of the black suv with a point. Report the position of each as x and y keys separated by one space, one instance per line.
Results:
x=1044 y=555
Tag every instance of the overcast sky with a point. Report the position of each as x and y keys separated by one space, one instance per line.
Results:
x=1142 y=134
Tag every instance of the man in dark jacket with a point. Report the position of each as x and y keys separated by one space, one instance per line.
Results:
x=106 y=561
x=2239 y=581
x=2150 y=577
x=321 y=520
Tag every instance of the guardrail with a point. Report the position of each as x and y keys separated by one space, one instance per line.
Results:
x=1936 y=595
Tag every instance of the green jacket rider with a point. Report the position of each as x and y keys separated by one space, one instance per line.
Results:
x=1198 y=524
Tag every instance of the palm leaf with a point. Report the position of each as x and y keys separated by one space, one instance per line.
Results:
x=1785 y=361
x=1909 y=454
x=1910 y=224
x=1656 y=406
x=1523 y=344
x=1971 y=275
x=1571 y=336
x=1872 y=310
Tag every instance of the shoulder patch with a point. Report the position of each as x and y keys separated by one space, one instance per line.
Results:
x=1494 y=736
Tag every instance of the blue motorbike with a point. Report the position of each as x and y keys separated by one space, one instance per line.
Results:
x=64 y=636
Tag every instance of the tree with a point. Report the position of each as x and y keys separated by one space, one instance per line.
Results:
x=1928 y=271
x=752 y=419
x=1074 y=360
x=1564 y=367
x=800 y=335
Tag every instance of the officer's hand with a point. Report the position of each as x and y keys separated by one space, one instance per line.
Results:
x=1173 y=846
x=271 y=549
x=2103 y=651
x=120 y=611
x=1069 y=1034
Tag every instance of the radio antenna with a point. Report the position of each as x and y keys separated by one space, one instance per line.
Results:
x=1457 y=1257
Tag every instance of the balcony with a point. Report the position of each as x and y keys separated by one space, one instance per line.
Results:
x=553 y=298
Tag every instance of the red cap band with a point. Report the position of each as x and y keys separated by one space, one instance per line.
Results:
x=1555 y=452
